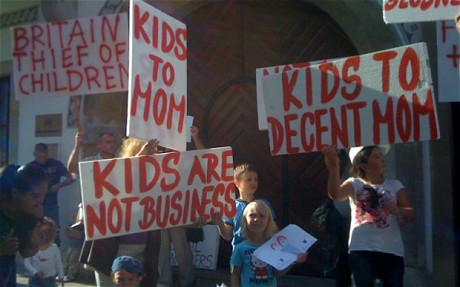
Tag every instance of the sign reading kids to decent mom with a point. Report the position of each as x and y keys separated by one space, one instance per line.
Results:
x=130 y=195
x=71 y=57
x=157 y=102
x=378 y=98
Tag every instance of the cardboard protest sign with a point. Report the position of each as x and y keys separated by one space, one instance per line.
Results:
x=265 y=71
x=401 y=11
x=157 y=103
x=282 y=249
x=448 y=43
x=260 y=72
x=130 y=195
x=71 y=57
x=377 y=98
x=204 y=252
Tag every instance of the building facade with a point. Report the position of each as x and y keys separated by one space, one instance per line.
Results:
x=227 y=41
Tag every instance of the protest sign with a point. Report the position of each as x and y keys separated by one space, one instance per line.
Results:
x=377 y=98
x=157 y=103
x=204 y=252
x=71 y=57
x=130 y=195
x=402 y=11
x=282 y=249
x=260 y=72
x=265 y=71
x=448 y=40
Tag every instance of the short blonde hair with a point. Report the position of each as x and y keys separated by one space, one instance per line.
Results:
x=242 y=168
x=131 y=147
x=261 y=207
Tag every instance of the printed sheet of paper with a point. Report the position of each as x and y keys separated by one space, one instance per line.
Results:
x=282 y=249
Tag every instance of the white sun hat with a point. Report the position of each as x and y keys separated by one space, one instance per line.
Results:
x=355 y=150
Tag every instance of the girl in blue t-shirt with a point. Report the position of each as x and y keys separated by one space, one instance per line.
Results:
x=257 y=227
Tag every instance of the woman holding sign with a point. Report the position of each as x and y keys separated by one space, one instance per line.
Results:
x=378 y=207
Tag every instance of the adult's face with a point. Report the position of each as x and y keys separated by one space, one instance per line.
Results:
x=107 y=146
x=31 y=202
x=41 y=156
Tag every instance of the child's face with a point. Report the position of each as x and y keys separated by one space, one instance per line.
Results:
x=248 y=182
x=257 y=221
x=375 y=163
x=123 y=278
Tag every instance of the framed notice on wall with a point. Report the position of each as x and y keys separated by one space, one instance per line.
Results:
x=48 y=125
x=53 y=150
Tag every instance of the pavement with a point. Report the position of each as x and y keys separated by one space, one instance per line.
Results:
x=204 y=278
x=213 y=278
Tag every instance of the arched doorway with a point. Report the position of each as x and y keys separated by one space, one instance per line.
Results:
x=227 y=41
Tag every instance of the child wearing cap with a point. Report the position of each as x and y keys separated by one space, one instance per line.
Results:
x=127 y=271
x=379 y=206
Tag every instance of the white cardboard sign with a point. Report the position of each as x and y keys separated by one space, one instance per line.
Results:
x=265 y=71
x=402 y=11
x=129 y=195
x=378 y=98
x=157 y=103
x=448 y=43
x=284 y=247
x=205 y=252
x=72 y=57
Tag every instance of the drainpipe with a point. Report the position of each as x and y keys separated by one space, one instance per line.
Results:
x=426 y=166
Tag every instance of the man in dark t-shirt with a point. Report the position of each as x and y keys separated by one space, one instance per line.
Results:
x=54 y=170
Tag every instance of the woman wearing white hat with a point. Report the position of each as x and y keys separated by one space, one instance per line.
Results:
x=378 y=207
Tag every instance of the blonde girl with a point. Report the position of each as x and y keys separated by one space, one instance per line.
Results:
x=46 y=264
x=257 y=227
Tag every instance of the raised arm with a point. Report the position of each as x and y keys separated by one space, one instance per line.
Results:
x=195 y=133
x=225 y=230
x=72 y=163
x=334 y=189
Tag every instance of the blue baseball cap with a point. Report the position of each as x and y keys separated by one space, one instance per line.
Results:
x=127 y=263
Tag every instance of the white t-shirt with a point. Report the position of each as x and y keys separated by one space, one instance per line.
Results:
x=48 y=261
x=374 y=228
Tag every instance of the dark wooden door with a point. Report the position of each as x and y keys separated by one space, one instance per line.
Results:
x=227 y=41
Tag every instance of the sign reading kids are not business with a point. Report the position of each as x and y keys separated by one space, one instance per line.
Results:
x=403 y=11
x=157 y=103
x=378 y=98
x=71 y=57
x=129 y=195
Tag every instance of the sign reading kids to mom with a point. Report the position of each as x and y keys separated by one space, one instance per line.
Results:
x=378 y=98
x=130 y=195
x=158 y=77
x=71 y=57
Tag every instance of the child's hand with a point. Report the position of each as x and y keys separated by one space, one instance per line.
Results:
x=217 y=219
x=194 y=132
x=10 y=244
x=149 y=147
x=200 y=222
x=60 y=280
x=302 y=257
x=39 y=275
x=331 y=158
